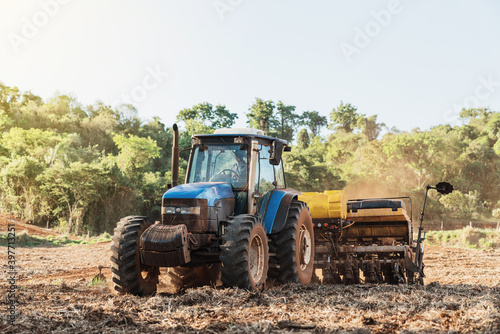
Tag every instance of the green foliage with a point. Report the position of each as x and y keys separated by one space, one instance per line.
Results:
x=25 y=239
x=73 y=187
x=496 y=213
x=314 y=121
x=307 y=170
x=344 y=117
x=276 y=120
x=288 y=119
x=154 y=184
x=5 y=121
x=37 y=143
x=467 y=237
x=9 y=97
x=369 y=127
x=80 y=168
x=347 y=119
x=303 y=139
x=136 y=155
x=203 y=118
x=20 y=189
x=77 y=168
x=98 y=281
x=261 y=116
x=464 y=205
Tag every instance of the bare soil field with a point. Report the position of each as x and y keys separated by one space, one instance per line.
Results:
x=462 y=295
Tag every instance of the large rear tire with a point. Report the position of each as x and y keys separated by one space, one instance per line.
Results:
x=294 y=246
x=182 y=278
x=129 y=275
x=245 y=254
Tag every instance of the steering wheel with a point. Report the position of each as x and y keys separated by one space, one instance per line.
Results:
x=222 y=172
x=223 y=175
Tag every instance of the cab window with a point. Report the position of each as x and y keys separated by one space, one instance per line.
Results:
x=265 y=171
x=220 y=163
x=280 y=175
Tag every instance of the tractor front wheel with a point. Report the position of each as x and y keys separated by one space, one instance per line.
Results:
x=245 y=254
x=128 y=273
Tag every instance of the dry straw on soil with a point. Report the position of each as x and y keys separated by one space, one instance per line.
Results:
x=436 y=308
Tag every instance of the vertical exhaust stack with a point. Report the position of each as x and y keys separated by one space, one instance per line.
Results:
x=175 y=157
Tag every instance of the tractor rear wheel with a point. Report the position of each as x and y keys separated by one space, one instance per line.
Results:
x=182 y=278
x=294 y=246
x=129 y=275
x=245 y=254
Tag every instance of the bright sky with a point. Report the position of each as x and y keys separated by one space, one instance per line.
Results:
x=413 y=63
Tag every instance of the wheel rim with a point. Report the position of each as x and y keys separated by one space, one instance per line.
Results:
x=305 y=247
x=256 y=261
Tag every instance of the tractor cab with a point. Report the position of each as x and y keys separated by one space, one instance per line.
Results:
x=243 y=164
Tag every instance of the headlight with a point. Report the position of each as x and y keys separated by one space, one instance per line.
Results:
x=183 y=210
x=190 y=210
x=168 y=209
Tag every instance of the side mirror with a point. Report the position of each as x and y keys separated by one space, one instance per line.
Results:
x=276 y=152
x=444 y=188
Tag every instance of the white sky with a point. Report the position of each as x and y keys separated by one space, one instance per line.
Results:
x=421 y=65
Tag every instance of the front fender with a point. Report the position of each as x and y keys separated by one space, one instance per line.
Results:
x=277 y=209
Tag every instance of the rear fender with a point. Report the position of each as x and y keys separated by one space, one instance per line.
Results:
x=277 y=209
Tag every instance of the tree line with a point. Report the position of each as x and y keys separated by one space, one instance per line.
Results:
x=80 y=168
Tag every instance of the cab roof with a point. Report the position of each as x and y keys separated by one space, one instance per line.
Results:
x=248 y=131
x=239 y=132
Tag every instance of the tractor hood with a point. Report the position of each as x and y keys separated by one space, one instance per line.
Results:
x=211 y=191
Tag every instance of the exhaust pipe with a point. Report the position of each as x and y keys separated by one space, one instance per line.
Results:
x=175 y=157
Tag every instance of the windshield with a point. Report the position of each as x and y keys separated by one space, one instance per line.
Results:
x=220 y=163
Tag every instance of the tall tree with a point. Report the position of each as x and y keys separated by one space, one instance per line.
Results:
x=344 y=117
x=8 y=96
x=288 y=120
x=204 y=118
x=303 y=139
x=314 y=121
x=261 y=115
x=369 y=126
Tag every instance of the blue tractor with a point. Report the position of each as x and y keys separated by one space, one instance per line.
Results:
x=233 y=219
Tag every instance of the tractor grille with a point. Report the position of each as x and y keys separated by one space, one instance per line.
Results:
x=195 y=223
